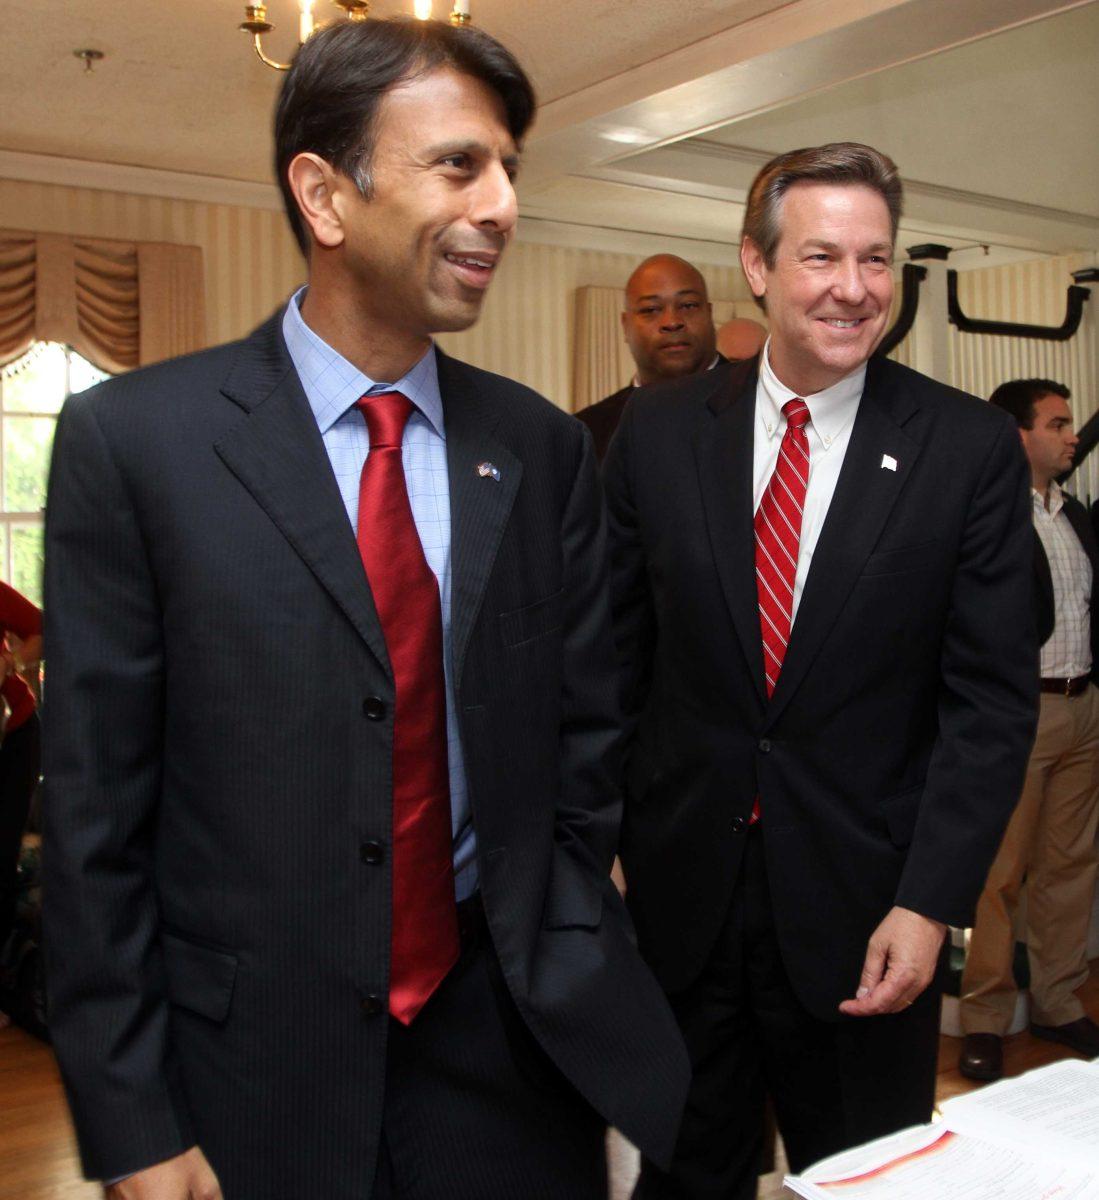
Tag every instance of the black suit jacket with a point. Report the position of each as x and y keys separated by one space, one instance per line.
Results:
x=602 y=417
x=212 y=928
x=1078 y=518
x=889 y=759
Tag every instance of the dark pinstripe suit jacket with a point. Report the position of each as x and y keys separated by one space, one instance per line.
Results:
x=212 y=928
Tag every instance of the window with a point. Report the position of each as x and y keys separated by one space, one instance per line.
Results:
x=32 y=390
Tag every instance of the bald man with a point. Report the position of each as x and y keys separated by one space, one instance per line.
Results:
x=669 y=327
x=741 y=339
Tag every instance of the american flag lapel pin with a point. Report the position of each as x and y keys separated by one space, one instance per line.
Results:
x=888 y=462
x=487 y=471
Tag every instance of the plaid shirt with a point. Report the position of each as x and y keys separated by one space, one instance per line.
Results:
x=1067 y=654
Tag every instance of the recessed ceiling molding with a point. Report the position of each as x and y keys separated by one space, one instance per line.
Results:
x=719 y=151
x=769 y=61
x=141 y=181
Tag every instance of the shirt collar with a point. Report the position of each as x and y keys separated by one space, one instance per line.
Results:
x=333 y=385
x=830 y=411
x=1056 y=498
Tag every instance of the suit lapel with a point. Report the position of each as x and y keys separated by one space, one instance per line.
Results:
x=864 y=497
x=723 y=454
x=278 y=455
x=480 y=504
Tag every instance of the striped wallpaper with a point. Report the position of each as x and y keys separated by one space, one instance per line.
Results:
x=528 y=327
x=252 y=265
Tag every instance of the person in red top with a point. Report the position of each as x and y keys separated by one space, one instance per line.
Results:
x=20 y=748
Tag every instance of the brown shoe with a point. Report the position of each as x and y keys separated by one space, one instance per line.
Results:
x=982 y=1056
x=1081 y=1035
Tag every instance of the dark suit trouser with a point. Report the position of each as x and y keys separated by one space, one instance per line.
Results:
x=833 y=1084
x=19 y=766
x=474 y=1108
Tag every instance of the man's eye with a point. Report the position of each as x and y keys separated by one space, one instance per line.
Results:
x=690 y=304
x=460 y=161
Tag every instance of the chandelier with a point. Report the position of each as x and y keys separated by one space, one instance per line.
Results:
x=256 y=23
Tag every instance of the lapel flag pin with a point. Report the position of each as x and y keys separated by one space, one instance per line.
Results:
x=888 y=462
x=486 y=471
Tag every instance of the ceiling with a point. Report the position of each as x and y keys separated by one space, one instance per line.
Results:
x=656 y=113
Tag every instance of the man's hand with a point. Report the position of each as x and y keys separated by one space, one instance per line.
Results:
x=900 y=963
x=186 y=1177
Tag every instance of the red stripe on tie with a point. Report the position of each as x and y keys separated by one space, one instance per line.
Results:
x=778 y=535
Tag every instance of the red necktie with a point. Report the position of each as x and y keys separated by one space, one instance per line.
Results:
x=778 y=534
x=424 y=943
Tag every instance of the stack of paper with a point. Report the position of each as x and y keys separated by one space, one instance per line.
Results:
x=1031 y=1138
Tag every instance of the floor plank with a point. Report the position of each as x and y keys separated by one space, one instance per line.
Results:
x=38 y=1159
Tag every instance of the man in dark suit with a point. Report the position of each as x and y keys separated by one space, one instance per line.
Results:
x=1050 y=841
x=821 y=569
x=668 y=324
x=332 y=723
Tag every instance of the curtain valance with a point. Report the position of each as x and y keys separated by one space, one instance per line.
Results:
x=119 y=304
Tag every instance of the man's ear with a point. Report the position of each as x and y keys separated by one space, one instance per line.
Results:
x=751 y=259
x=314 y=184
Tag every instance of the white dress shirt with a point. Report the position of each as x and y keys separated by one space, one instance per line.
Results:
x=1067 y=654
x=831 y=418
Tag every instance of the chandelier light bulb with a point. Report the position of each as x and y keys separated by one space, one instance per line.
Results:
x=305 y=21
x=422 y=9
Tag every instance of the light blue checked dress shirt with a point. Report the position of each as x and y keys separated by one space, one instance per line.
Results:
x=332 y=385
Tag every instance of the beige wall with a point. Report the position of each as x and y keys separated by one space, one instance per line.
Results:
x=252 y=265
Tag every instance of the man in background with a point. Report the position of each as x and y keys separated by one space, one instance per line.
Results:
x=668 y=324
x=332 y=798
x=1050 y=841
x=821 y=565
x=740 y=339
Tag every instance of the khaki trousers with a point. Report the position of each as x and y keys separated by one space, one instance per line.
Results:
x=1051 y=842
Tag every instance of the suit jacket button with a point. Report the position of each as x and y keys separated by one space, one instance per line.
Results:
x=374 y=708
x=372 y=1006
x=372 y=853
x=738 y=824
x=764 y=746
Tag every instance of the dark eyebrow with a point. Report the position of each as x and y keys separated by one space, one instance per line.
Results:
x=681 y=292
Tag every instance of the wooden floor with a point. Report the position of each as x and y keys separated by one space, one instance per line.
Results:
x=38 y=1152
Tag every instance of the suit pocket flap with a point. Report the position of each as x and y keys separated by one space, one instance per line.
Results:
x=574 y=901
x=917 y=557
x=900 y=813
x=525 y=624
x=199 y=978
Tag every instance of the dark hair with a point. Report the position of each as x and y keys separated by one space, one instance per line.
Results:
x=1018 y=397
x=330 y=99
x=838 y=162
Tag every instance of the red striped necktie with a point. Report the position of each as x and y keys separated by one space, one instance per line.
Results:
x=424 y=943
x=778 y=535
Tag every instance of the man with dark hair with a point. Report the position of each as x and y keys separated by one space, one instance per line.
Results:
x=332 y=725
x=668 y=324
x=820 y=567
x=1050 y=841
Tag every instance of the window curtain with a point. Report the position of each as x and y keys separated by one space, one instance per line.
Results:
x=602 y=362
x=119 y=304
